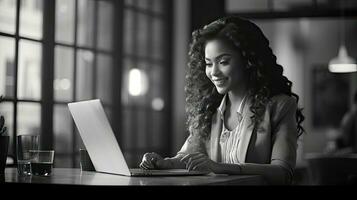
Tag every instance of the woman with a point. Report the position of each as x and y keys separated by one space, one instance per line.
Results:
x=242 y=115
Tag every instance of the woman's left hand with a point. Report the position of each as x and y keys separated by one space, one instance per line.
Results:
x=199 y=161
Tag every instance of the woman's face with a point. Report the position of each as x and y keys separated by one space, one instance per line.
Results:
x=224 y=66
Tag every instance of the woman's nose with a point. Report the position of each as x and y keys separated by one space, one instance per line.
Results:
x=215 y=69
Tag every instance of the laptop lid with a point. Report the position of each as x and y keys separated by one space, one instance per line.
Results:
x=98 y=137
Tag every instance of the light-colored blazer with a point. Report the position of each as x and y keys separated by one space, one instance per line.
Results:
x=273 y=141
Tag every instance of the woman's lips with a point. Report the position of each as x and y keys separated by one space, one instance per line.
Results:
x=219 y=81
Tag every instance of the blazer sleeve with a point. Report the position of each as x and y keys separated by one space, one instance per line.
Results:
x=193 y=144
x=284 y=136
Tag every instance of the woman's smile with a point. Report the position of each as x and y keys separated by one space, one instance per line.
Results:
x=219 y=81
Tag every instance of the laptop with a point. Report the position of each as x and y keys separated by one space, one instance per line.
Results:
x=102 y=146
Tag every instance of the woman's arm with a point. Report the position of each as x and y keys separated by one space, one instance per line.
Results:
x=273 y=174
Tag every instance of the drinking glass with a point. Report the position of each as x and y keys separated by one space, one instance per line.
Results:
x=42 y=162
x=25 y=144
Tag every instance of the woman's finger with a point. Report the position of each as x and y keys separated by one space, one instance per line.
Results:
x=193 y=158
x=147 y=165
x=142 y=166
x=201 y=166
x=150 y=164
x=148 y=156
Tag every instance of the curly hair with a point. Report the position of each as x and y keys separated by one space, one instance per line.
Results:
x=266 y=77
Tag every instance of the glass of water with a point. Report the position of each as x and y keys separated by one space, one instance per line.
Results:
x=42 y=162
x=24 y=145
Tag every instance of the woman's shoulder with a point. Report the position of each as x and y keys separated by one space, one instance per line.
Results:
x=282 y=99
x=283 y=102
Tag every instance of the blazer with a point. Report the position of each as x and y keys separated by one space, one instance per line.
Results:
x=272 y=141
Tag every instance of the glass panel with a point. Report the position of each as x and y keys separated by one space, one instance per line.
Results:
x=7 y=110
x=127 y=128
x=142 y=131
x=232 y=6
x=158 y=38
x=85 y=23
x=135 y=83
x=144 y=67
x=129 y=2
x=142 y=34
x=157 y=5
x=128 y=64
x=104 y=78
x=62 y=125
x=63 y=160
x=292 y=4
x=157 y=75
x=63 y=80
x=158 y=125
x=7 y=68
x=142 y=4
x=31 y=18
x=84 y=77
x=78 y=145
x=65 y=21
x=8 y=16
x=29 y=72
x=105 y=25
x=128 y=31
x=28 y=118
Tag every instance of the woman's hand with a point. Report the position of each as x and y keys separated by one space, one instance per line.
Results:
x=153 y=161
x=199 y=161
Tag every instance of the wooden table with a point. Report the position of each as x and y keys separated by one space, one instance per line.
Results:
x=74 y=176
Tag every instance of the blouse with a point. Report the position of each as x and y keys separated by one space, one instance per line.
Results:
x=229 y=139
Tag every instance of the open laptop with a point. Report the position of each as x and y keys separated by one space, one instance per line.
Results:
x=102 y=146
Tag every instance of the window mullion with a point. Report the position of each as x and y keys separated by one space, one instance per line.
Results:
x=49 y=8
x=16 y=76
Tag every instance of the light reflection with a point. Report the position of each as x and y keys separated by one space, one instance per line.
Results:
x=138 y=82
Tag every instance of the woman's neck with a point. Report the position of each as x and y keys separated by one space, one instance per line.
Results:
x=236 y=97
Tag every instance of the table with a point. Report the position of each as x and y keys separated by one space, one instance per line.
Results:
x=74 y=176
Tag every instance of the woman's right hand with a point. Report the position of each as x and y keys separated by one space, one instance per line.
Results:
x=152 y=161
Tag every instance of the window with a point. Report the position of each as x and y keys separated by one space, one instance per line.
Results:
x=145 y=92
x=85 y=59
x=20 y=66
x=82 y=65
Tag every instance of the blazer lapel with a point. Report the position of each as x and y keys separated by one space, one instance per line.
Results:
x=246 y=132
x=215 y=135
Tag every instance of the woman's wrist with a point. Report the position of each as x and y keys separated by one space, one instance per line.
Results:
x=217 y=168
x=167 y=163
x=222 y=168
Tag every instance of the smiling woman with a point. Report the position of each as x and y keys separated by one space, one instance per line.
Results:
x=242 y=115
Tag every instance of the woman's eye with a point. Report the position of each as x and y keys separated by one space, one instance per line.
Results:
x=208 y=64
x=223 y=62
